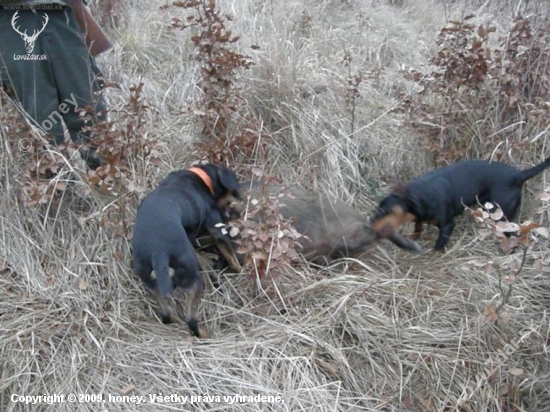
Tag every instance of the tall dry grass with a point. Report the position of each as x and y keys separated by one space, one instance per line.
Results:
x=391 y=332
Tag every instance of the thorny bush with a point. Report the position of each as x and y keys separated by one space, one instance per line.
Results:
x=475 y=99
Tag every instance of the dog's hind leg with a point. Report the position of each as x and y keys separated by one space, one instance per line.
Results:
x=143 y=270
x=194 y=295
x=163 y=306
x=163 y=285
x=187 y=275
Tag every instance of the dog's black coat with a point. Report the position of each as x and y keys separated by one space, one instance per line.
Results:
x=438 y=196
x=169 y=220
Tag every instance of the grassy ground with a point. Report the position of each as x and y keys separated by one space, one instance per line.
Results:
x=392 y=331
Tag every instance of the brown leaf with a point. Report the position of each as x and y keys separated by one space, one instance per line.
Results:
x=497 y=215
x=482 y=234
x=127 y=389
x=526 y=227
x=504 y=316
x=82 y=284
x=477 y=213
x=61 y=186
x=427 y=404
x=258 y=255
x=408 y=402
x=525 y=241
x=476 y=44
x=489 y=268
x=503 y=390
x=490 y=312
x=516 y=371
x=508 y=244
x=481 y=31
x=234 y=231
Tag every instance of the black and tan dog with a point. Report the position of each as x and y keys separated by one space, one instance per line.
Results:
x=438 y=196
x=187 y=204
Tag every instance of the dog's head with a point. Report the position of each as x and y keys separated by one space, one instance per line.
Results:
x=393 y=211
x=226 y=190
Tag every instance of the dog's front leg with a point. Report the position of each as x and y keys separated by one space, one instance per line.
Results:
x=445 y=231
x=226 y=249
x=418 y=226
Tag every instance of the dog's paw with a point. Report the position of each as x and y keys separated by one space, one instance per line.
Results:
x=203 y=334
x=236 y=266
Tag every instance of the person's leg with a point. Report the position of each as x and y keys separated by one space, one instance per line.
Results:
x=78 y=78
x=32 y=81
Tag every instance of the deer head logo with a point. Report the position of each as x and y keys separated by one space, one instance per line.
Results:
x=29 y=40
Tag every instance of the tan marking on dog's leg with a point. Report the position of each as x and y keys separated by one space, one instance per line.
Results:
x=229 y=254
x=163 y=306
x=194 y=296
x=418 y=226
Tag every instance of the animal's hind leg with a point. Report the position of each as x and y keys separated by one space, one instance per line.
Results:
x=187 y=275
x=194 y=295
x=163 y=307
x=143 y=271
x=509 y=204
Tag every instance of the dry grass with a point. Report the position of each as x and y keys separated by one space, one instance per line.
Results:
x=390 y=332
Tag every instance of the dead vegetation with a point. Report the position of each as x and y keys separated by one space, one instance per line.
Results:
x=326 y=107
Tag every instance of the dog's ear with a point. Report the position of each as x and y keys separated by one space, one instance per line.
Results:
x=399 y=189
x=228 y=179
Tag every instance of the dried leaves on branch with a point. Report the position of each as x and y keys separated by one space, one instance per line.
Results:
x=230 y=133
x=475 y=97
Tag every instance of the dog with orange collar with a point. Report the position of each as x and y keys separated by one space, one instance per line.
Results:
x=187 y=204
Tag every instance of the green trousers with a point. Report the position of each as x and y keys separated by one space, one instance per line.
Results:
x=53 y=76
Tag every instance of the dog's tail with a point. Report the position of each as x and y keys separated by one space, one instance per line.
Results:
x=525 y=175
x=161 y=267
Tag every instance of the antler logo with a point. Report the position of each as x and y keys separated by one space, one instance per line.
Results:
x=29 y=40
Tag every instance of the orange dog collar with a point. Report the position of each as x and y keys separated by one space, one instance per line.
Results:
x=204 y=177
